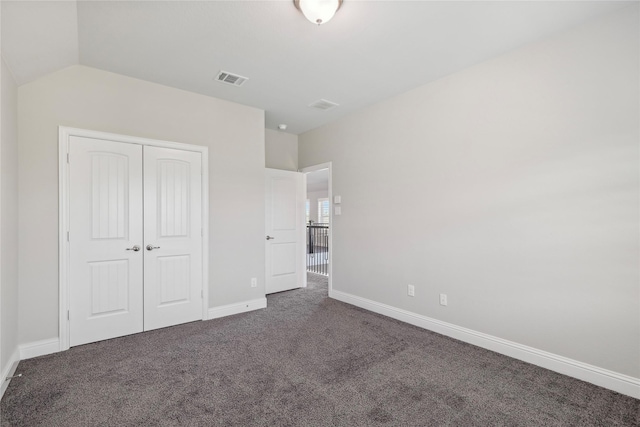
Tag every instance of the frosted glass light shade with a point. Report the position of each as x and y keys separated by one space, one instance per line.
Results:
x=318 y=11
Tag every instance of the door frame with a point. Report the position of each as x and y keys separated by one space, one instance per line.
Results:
x=315 y=168
x=64 y=135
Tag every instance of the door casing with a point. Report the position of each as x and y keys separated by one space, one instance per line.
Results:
x=64 y=134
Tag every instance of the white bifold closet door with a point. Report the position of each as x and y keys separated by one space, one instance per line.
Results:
x=135 y=238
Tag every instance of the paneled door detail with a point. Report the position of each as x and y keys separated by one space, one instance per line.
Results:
x=284 y=224
x=173 y=237
x=106 y=272
x=135 y=238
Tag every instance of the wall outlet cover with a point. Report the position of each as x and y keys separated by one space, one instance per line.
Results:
x=443 y=299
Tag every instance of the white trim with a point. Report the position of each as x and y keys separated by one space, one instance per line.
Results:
x=63 y=245
x=302 y=237
x=237 y=308
x=3 y=386
x=315 y=168
x=620 y=383
x=39 y=348
x=205 y=233
x=10 y=370
x=64 y=133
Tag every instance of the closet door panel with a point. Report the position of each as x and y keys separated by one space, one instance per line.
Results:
x=105 y=212
x=173 y=237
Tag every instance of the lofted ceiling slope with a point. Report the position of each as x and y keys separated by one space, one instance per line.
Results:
x=370 y=51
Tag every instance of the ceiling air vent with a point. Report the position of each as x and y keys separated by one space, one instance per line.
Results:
x=229 y=78
x=323 y=104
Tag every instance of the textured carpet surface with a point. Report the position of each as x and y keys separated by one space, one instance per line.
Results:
x=306 y=360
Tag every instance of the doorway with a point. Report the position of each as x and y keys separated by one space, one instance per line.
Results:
x=320 y=213
x=133 y=235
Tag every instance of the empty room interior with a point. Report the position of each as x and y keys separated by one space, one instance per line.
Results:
x=320 y=213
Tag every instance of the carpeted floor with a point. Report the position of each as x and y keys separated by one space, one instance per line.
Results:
x=306 y=360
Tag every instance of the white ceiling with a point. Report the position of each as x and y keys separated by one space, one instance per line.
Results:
x=370 y=51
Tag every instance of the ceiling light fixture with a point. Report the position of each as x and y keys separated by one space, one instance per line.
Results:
x=318 y=11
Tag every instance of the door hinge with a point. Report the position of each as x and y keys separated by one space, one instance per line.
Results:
x=201 y=293
x=68 y=315
x=68 y=237
x=67 y=157
x=202 y=232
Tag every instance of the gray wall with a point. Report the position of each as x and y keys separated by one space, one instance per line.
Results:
x=8 y=218
x=512 y=187
x=87 y=98
x=281 y=150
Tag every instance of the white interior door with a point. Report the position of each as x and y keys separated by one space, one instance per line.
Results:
x=284 y=225
x=172 y=237
x=105 y=212
x=135 y=238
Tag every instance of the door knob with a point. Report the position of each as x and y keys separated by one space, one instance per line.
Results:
x=270 y=238
x=151 y=247
x=135 y=248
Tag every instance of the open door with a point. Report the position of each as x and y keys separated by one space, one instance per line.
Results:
x=284 y=225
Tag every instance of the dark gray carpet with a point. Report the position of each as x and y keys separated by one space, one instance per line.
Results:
x=306 y=360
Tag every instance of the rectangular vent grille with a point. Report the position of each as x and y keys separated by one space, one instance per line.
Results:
x=229 y=78
x=323 y=104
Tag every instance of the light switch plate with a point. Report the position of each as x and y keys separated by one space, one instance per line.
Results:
x=337 y=210
x=337 y=200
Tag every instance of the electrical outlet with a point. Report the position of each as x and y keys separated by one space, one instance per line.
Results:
x=411 y=290
x=254 y=282
x=443 y=299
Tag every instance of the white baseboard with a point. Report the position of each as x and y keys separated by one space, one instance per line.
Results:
x=236 y=308
x=621 y=383
x=52 y=345
x=9 y=370
x=39 y=348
